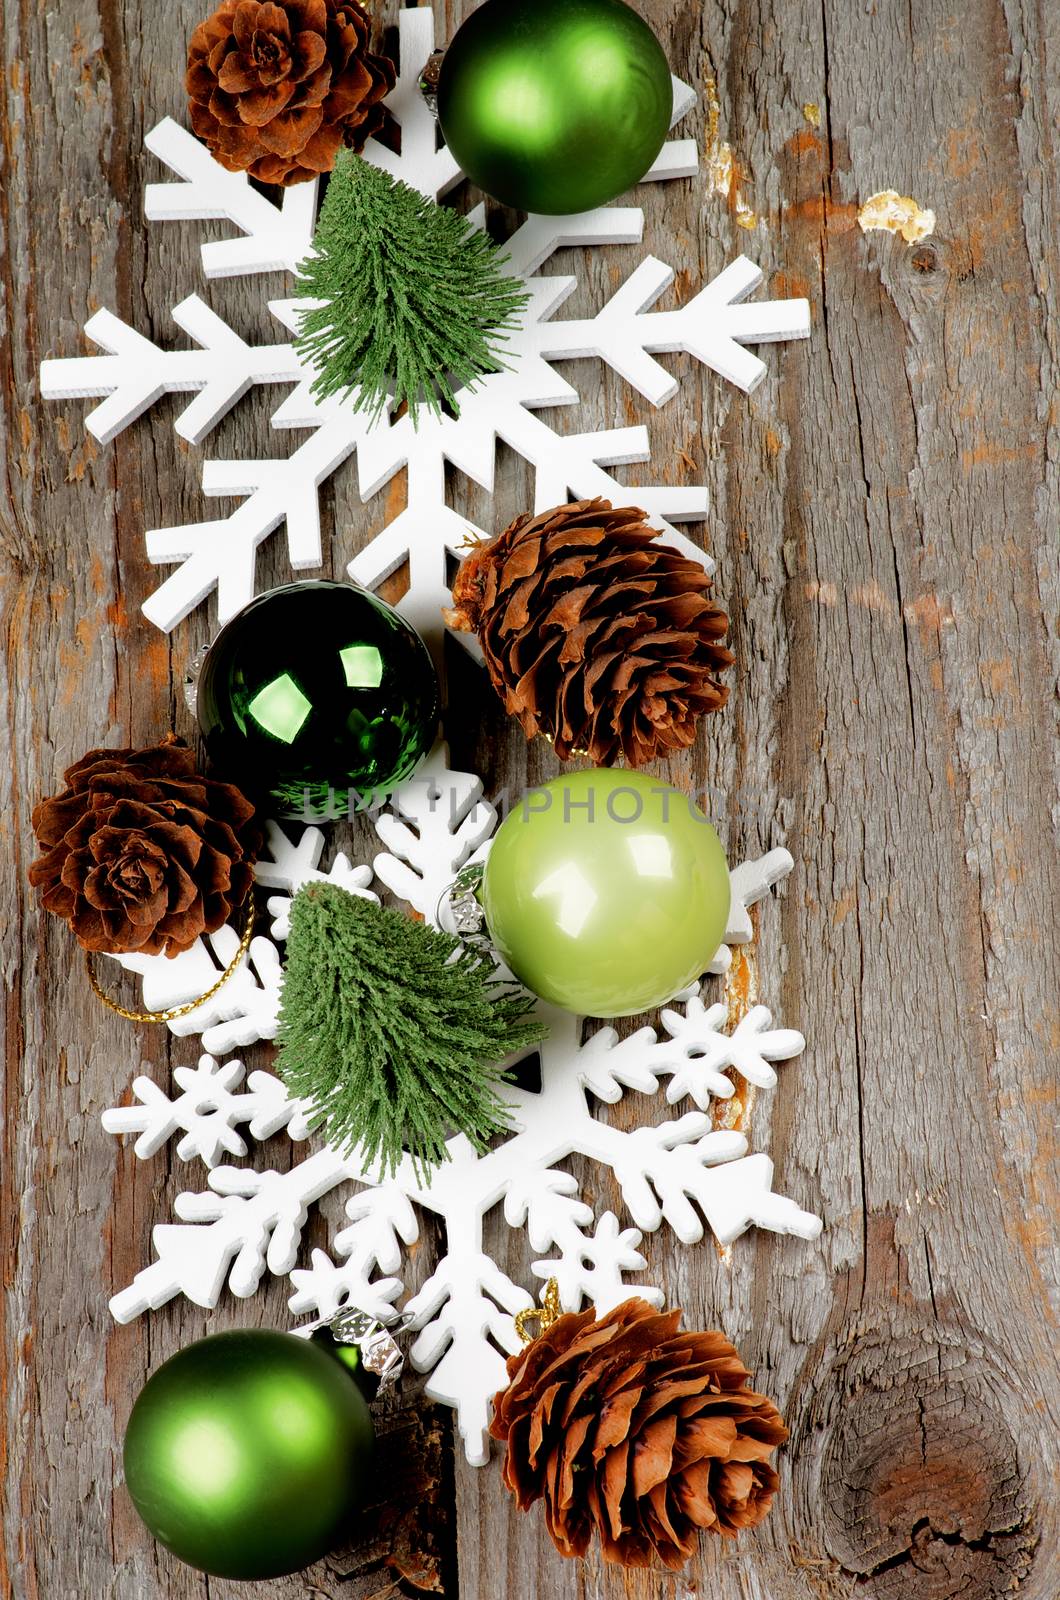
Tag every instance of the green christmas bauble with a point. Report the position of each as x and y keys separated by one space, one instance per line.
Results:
x=606 y=892
x=555 y=105
x=314 y=690
x=246 y=1453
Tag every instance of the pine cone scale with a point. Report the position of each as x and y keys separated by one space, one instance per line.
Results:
x=613 y=1482
x=572 y=568
x=258 y=107
x=704 y=1437
x=573 y=1439
x=661 y=1524
x=516 y=615
x=568 y=609
x=594 y=633
x=615 y=1421
x=342 y=103
x=653 y=1455
x=293 y=128
x=577 y=640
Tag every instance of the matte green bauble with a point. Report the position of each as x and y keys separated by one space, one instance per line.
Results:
x=246 y=1453
x=606 y=892
x=555 y=105
x=314 y=690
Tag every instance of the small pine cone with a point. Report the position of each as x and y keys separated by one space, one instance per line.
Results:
x=143 y=853
x=276 y=88
x=594 y=634
x=647 y=1435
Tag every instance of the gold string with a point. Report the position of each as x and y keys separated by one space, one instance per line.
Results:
x=175 y=1011
x=544 y=1315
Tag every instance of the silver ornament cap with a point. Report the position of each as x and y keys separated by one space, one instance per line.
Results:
x=381 y=1355
x=460 y=910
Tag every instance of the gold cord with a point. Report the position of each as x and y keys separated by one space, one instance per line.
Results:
x=544 y=1315
x=192 y=1005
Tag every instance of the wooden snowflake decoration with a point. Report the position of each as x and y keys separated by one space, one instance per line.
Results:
x=680 y=1171
x=219 y=555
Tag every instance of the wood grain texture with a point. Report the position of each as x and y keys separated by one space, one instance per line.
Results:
x=886 y=518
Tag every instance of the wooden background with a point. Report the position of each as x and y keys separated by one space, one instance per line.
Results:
x=885 y=518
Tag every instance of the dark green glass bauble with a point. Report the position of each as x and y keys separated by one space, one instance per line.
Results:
x=247 y=1453
x=312 y=691
x=555 y=105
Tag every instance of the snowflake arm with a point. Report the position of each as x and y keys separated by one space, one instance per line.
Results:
x=291 y=866
x=667 y=1172
x=245 y=1222
x=751 y=881
x=595 y=1274
x=244 y=1009
x=221 y=554
x=678 y=158
x=591 y=1265
x=208 y=1110
x=713 y=327
x=381 y=1221
x=421 y=163
x=698 y=1051
x=276 y=237
x=135 y=372
x=464 y=1315
x=610 y=1065
x=695 y=1052
x=432 y=825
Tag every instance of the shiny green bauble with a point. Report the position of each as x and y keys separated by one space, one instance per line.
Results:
x=314 y=690
x=606 y=892
x=246 y=1453
x=555 y=105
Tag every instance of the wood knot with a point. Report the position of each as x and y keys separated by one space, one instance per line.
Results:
x=929 y=1468
x=924 y=259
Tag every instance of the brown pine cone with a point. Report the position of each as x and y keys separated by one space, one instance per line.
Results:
x=594 y=634
x=143 y=853
x=276 y=89
x=644 y=1434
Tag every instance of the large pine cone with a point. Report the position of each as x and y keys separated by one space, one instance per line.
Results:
x=276 y=89
x=142 y=853
x=645 y=1434
x=594 y=634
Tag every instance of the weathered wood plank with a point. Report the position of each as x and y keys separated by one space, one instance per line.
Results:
x=886 y=515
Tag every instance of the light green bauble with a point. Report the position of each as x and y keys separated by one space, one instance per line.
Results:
x=555 y=106
x=247 y=1453
x=606 y=892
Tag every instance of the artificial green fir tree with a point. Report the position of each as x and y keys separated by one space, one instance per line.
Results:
x=415 y=299
x=393 y=1031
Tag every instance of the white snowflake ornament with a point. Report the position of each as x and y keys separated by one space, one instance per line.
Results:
x=683 y=1172
x=219 y=554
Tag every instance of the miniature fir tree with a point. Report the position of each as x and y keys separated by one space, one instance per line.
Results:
x=393 y=1031
x=415 y=302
